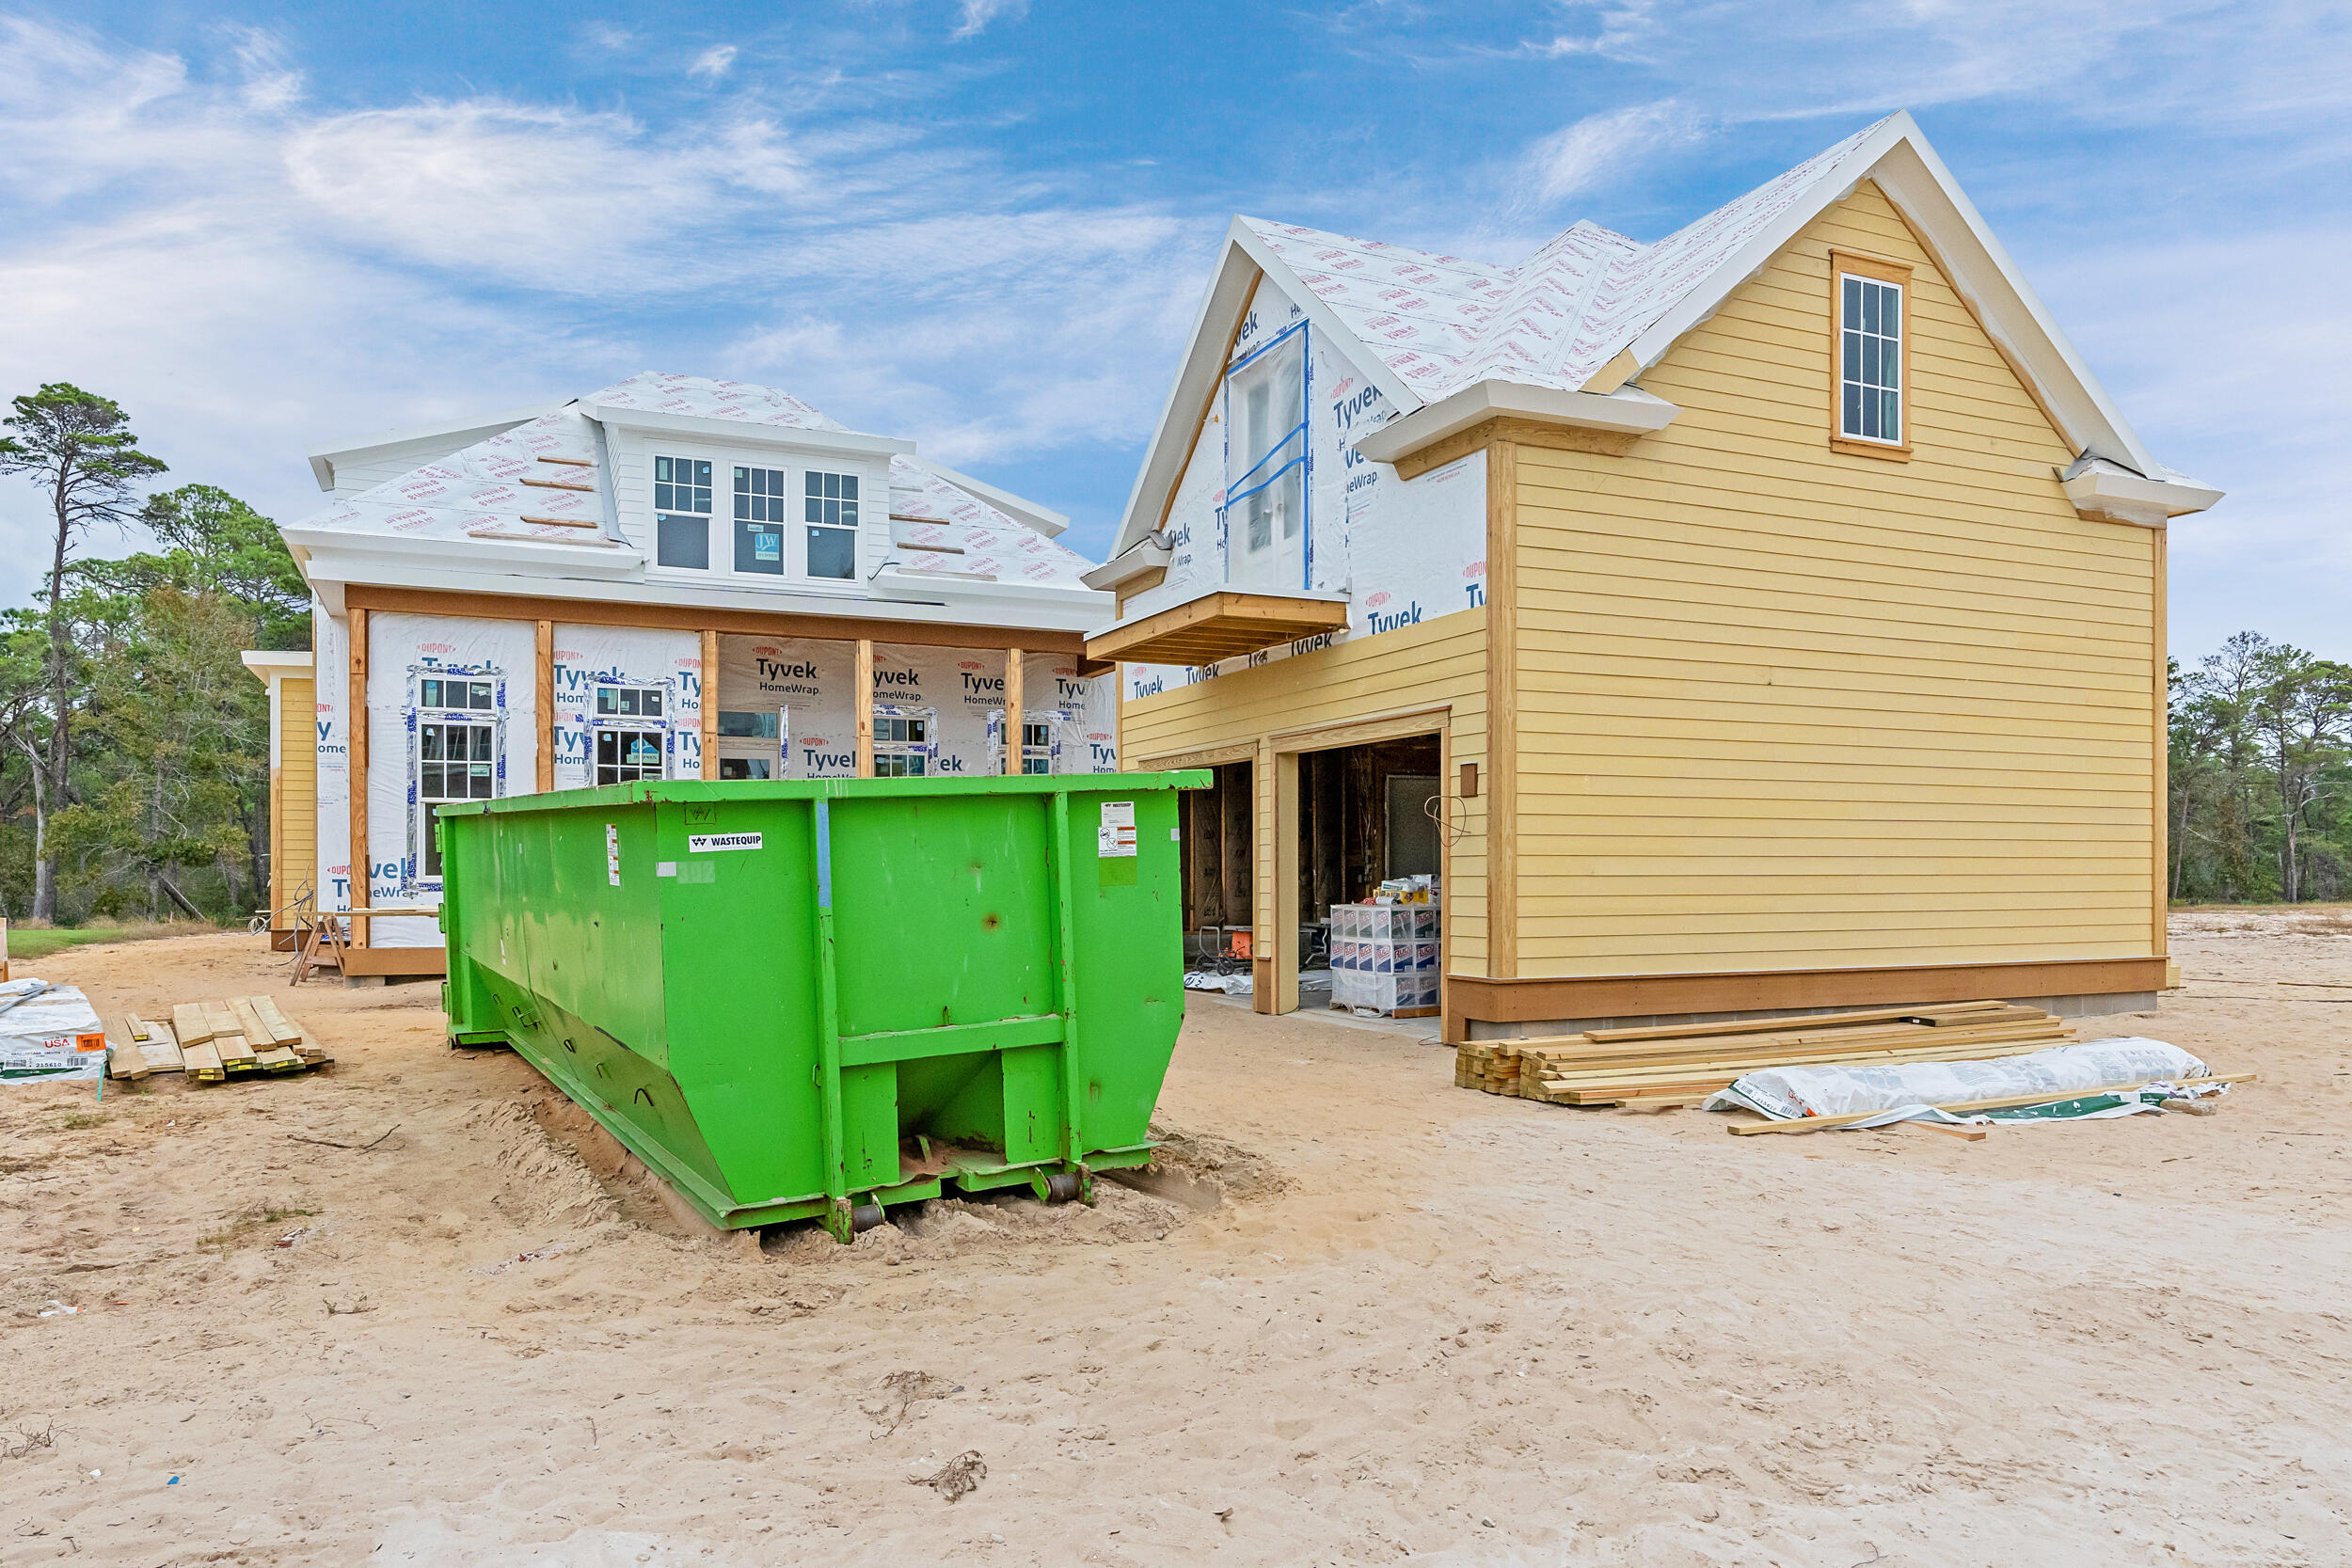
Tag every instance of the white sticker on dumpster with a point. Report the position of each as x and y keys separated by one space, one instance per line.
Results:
x=1118 y=837
x=706 y=844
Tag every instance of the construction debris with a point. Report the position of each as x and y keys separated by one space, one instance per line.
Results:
x=210 y=1041
x=1681 y=1064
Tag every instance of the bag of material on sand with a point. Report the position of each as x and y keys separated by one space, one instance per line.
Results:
x=48 y=1032
x=1787 y=1093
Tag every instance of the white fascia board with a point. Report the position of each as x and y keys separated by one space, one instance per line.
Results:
x=1078 y=607
x=393 y=560
x=747 y=433
x=2125 y=497
x=464 y=433
x=268 y=664
x=1043 y=520
x=1133 y=562
x=1197 y=375
x=1898 y=156
x=1628 y=410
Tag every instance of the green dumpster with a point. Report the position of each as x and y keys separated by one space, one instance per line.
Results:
x=813 y=998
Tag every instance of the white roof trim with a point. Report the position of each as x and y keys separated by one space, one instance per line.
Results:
x=747 y=433
x=1240 y=264
x=927 y=587
x=1897 y=155
x=269 y=664
x=1142 y=556
x=1043 y=520
x=1628 y=410
x=2102 y=490
x=324 y=455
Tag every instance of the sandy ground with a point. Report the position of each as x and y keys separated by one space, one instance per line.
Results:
x=1388 y=1320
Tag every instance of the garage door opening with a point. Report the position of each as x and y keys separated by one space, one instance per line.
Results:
x=1218 y=825
x=1370 y=888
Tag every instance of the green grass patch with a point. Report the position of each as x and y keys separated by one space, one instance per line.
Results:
x=39 y=941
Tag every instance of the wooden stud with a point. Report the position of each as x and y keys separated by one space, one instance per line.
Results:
x=1503 y=709
x=1013 y=712
x=710 y=703
x=1281 y=944
x=543 y=700
x=864 y=707
x=356 y=751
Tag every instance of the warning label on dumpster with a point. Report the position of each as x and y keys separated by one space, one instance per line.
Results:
x=705 y=844
x=1118 y=837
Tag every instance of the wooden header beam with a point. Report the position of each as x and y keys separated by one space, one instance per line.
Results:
x=745 y=623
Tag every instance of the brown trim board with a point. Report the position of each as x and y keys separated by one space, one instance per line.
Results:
x=395 y=961
x=743 y=622
x=1532 y=999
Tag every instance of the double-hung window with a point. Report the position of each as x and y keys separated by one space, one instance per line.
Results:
x=759 y=521
x=682 y=505
x=829 y=512
x=630 y=732
x=1873 y=413
x=456 y=753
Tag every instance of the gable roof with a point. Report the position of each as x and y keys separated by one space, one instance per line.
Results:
x=538 y=497
x=1592 y=309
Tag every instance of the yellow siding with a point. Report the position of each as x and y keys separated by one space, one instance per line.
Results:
x=1781 y=707
x=1440 y=663
x=295 y=868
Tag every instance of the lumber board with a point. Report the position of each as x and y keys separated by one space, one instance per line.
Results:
x=202 y=1062
x=1822 y=1124
x=189 y=1025
x=281 y=1029
x=232 y=1050
x=126 y=1060
x=221 y=1017
x=1776 y=1025
x=249 y=1023
x=278 y=1058
x=1773 y=1049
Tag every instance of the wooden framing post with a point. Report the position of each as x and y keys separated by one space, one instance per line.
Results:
x=355 y=752
x=2160 y=749
x=543 y=700
x=864 y=707
x=1281 y=943
x=1502 y=784
x=711 y=704
x=1012 y=712
x=1261 y=913
x=276 y=802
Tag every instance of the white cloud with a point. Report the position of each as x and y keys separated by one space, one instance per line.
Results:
x=713 y=63
x=1603 y=148
x=978 y=15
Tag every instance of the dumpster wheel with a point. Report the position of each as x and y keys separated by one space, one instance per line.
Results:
x=1063 y=1186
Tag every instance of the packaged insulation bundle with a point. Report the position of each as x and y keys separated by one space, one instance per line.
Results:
x=49 y=1032
x=1787 y=1093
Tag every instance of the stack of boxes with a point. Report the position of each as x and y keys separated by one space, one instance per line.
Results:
x=1384 y=956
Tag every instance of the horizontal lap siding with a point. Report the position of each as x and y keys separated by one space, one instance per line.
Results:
x=297 y=791
x=1437 y=663
x=1781 y=707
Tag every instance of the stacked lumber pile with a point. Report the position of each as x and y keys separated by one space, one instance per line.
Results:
x=212 y=1041
x=1681 y=1064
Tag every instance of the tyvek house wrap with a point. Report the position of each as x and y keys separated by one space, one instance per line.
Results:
x=958 y=693
x=1404 y=551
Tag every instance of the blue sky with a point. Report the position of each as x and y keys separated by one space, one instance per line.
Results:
x=986 y=225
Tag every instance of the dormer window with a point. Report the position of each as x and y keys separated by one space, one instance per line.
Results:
x=829 y=509
x=1872 y=332
x=682 y=505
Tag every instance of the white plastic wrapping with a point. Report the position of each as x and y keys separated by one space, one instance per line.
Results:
x=1787 y=1093
x=49 y=1032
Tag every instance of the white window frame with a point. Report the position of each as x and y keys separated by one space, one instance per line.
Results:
x=925 y=750
x=813 y=503
x=415 y=876
x=663 y=726
x=702 y=494
x=1863 y=340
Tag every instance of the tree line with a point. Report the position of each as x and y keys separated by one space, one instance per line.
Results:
x=134 y=743
x=2262 y=775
